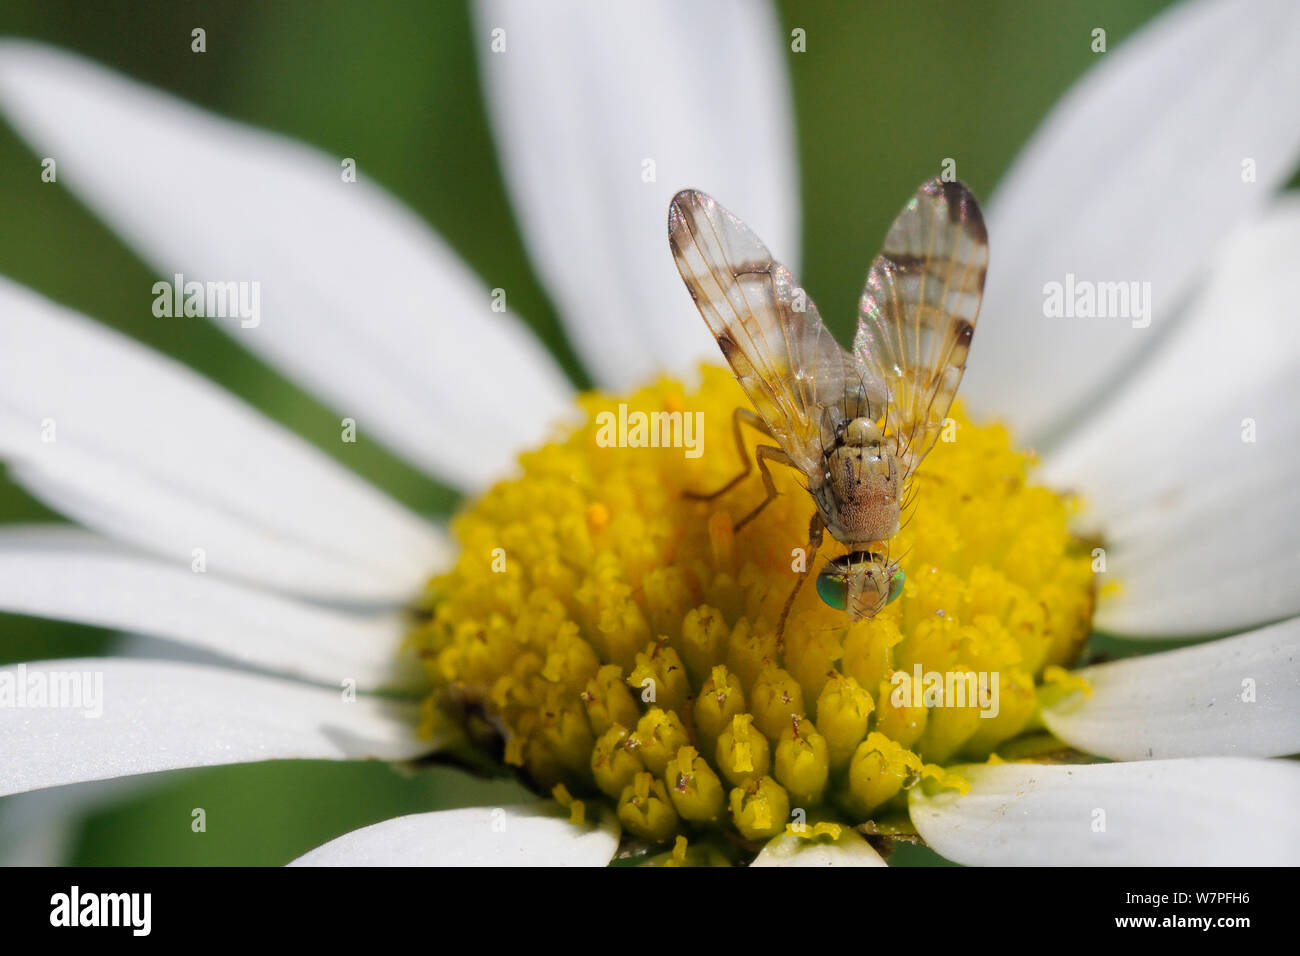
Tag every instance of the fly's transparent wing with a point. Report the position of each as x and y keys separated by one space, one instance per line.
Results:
x=918 y=312
x=786 y=360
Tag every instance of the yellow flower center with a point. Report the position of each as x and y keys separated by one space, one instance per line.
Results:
x=619 y=638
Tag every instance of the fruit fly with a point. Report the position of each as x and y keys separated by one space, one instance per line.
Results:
x=855 y=424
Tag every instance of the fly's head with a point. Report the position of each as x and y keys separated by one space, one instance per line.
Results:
x=861 y=582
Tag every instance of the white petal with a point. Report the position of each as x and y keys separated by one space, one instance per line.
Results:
x=72 y=575
x=589 y=96
x=1199 y=522
x=476 y=836
x=117 y=718
x=850 y=849
x=360 y=301
x=139 y=447
x=41 y=828
x=45 y=842
x=1239 y=696
x=1135 y=176
x=1210 y=811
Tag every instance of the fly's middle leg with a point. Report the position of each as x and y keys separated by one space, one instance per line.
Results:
x=762 y=454
x=742 y=416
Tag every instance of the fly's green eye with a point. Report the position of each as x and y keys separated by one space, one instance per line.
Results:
x=896 y=585
x=834 y=589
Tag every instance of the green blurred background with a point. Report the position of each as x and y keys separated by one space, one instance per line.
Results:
x=882 y=93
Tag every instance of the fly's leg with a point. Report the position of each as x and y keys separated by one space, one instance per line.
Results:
x=761 y=454
x=815 y=528
x=742 y=416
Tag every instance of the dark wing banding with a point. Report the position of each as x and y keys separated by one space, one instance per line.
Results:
x=768 y=328
x=918 y=312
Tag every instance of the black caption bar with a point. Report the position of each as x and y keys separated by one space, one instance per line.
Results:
x=235 y=905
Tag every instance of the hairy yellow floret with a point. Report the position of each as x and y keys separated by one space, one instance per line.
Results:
x=619 y=638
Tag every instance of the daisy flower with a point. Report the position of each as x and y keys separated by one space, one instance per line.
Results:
x=582 y=620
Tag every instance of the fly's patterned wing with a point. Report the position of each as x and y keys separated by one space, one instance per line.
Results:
x=769 y=330
x=918 y=312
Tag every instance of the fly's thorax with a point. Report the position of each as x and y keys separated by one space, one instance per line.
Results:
x=858 y=494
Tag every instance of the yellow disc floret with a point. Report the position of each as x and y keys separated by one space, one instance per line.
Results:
x=619 y=637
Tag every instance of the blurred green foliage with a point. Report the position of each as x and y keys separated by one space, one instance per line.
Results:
x=883 y=93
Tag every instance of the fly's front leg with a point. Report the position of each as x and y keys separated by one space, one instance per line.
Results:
x=815 y=528
x=742 y=416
